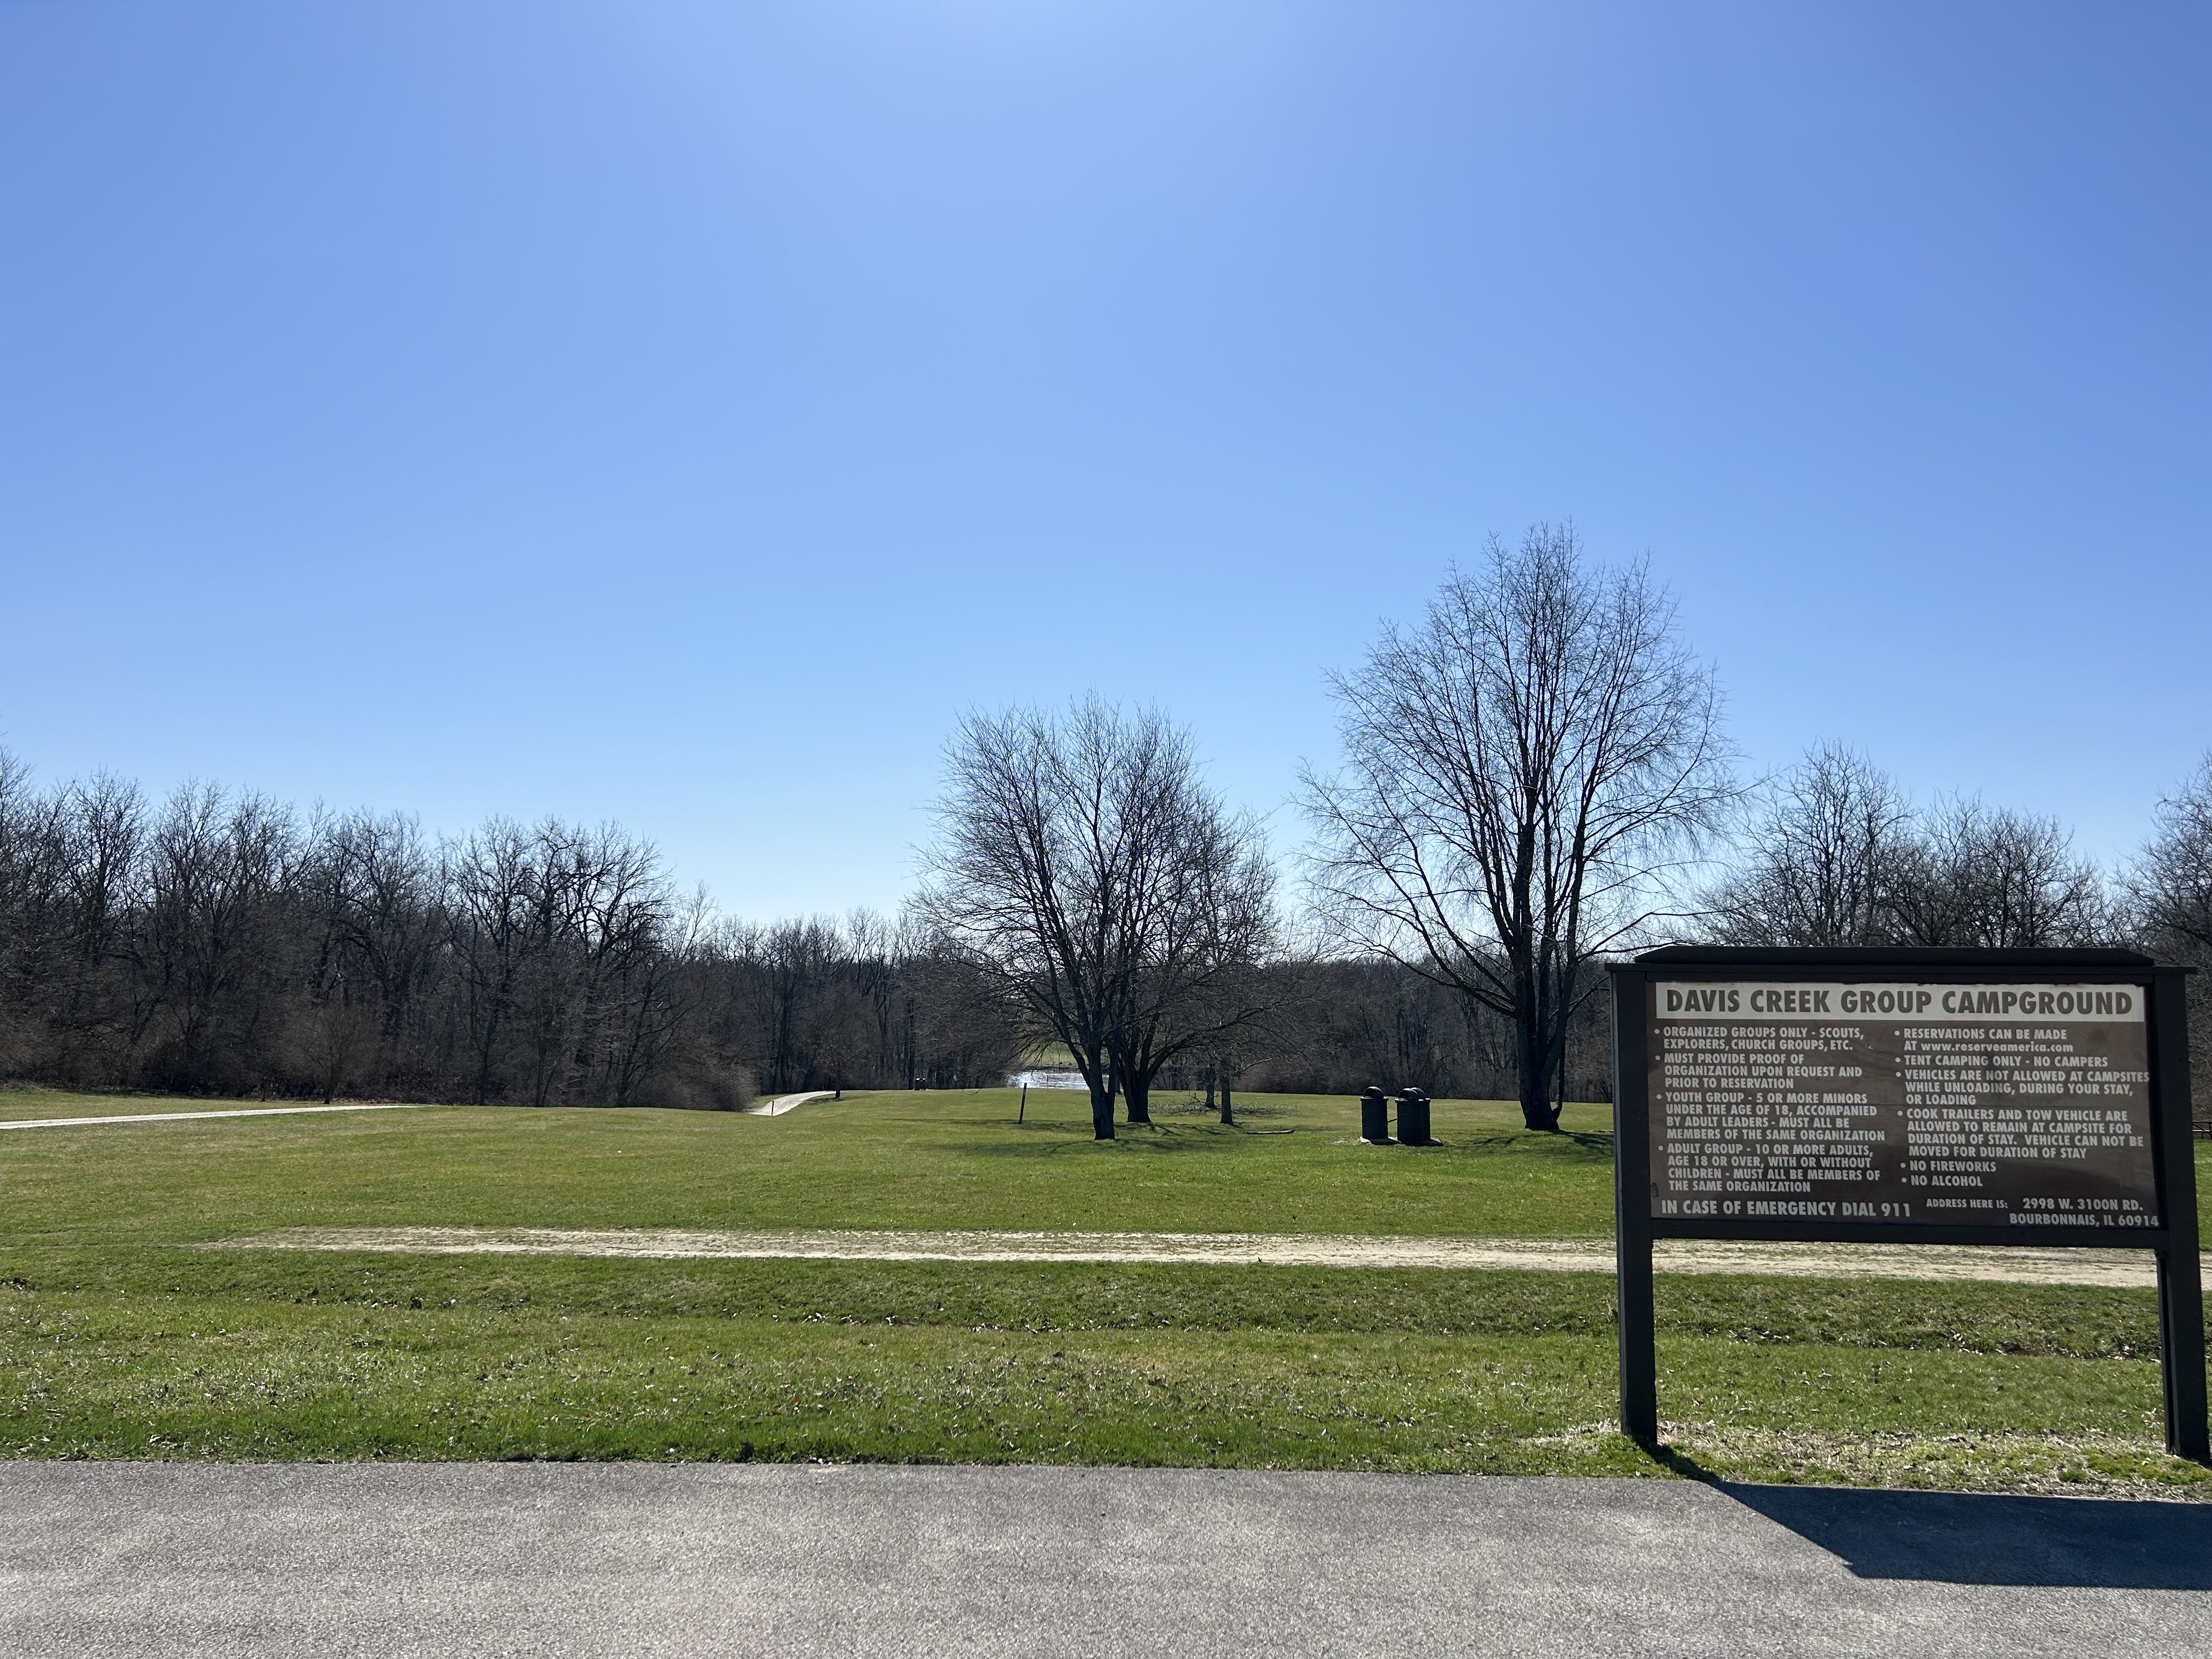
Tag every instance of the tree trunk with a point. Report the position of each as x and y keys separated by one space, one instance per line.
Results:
x=1228 y=1107
x=1559 y=1075
x=1137 y=1090
x=1534 y=1064
x=1102 y=1112
x=1536 y=1110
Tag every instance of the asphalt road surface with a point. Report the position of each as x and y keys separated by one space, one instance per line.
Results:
x=630 y=1561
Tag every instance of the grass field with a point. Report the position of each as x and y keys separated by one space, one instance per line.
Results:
x=888 y=1160
x=121 y=1337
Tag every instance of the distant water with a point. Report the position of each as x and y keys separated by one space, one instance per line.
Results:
x=1057 y=1078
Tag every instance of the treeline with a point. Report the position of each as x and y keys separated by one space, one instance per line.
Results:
x=1835 y=853
x=223 y=943
x=1340 y=1025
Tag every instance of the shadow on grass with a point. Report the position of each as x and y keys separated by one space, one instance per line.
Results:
x=1595 y=1142
x=1010 y=1139
x=1969 y=1538
x=1154 y=1137
x=1676 y=1460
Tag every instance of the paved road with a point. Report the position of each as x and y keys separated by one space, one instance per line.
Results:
x=456 y=1561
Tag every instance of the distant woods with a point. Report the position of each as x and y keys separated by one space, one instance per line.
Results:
x=223 y=943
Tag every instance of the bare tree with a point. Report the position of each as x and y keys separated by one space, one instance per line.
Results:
x=623 y=913
x=1519 y=773
x=2170 y=885
x=1082 y=866
x=380 y=895
x=498 y=934
x=872 y=947
x=1194 y=987
x=217 y=876
x=333 y=1039
x=957 y=1029
x=1998 y=879
x=33 y=910
x=1823 y=858
x=2169 y=899
x=1839 y=855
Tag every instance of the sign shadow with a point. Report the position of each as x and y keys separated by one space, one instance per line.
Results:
x=1969 y=1538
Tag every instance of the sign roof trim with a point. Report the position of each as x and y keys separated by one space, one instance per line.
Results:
x=1860 y=956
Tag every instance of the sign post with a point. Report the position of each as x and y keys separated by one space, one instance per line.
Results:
x=1906 y=1096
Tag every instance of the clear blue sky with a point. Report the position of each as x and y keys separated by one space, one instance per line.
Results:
x=677 y=412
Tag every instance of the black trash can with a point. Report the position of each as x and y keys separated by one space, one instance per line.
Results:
x=1375 y=1115
x=1413 y=1118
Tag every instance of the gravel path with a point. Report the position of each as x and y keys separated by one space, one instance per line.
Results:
x=2122 y=1268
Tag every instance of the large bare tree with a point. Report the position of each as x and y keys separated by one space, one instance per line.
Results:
x=1519 y=773
x=1082 y=864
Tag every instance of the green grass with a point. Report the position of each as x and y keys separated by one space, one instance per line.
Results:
x=121 y=1337
x=197 y=1354
x=948 y=1159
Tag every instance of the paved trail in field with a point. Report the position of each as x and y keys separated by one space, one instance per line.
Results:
x=655 y=1561
x=188 y=1117
x=783 y=1104
x=775 y=1108
x=2123 y=1268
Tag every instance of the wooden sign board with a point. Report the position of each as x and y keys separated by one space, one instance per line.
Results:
x=1929 y=1096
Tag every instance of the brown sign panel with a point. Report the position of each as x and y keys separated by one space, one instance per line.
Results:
x=1919 y=1105
x=1905 y=1097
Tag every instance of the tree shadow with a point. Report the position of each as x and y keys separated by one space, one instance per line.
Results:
x=1155 y=1138
x=1976 y=1538
x=1181 y=1133
x=1598 y=1141
x=1198 y=1109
